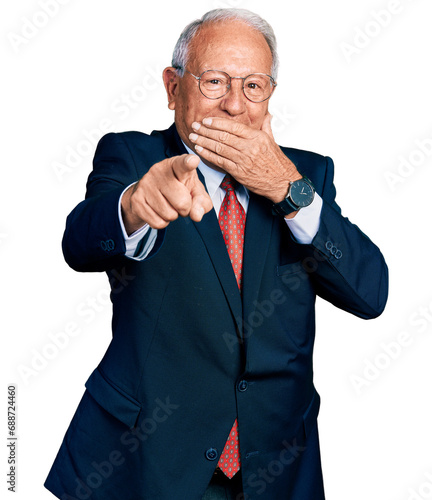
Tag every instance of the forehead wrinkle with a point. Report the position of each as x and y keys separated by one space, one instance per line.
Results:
x=246 y=52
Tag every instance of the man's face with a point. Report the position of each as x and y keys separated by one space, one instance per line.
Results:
x=232 y=47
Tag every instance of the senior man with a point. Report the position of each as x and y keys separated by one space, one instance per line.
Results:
x=216 y=242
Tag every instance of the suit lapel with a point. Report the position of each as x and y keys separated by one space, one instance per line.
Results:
x=259 y=222
x=211 y=235
x=174 y=145
x=212 y=238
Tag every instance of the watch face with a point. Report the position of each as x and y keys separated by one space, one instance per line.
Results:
x=301 y=193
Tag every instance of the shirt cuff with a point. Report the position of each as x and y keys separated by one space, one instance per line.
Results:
x=140 y=243
x=304 y=226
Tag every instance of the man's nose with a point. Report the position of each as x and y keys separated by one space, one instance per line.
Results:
x=234 y=101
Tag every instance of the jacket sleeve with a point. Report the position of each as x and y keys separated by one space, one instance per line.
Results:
x=346 y=267
x=93 y=239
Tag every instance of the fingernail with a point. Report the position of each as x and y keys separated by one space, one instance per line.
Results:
x=193 y=137
x=196 y=125
x=207 y=121
x=198 y=148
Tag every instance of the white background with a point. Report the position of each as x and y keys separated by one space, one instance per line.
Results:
x=366 y=110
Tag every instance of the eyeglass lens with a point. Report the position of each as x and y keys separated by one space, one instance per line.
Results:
x=215 y=84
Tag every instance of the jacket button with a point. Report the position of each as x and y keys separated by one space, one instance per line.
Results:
x=242 y=385
x=211 y=454
x=329 y=245
x=338 y=254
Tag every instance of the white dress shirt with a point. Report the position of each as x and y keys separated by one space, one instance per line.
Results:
x=303 y=226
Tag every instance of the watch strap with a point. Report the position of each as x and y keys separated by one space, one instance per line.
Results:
x=285 y=207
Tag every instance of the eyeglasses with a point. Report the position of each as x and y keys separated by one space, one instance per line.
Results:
x=214 y=84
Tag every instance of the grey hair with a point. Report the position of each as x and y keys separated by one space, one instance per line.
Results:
x=181 y=49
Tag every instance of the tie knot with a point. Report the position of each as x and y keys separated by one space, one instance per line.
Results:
x=228 y=183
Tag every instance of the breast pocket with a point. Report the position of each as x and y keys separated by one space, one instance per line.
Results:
x=292 y=275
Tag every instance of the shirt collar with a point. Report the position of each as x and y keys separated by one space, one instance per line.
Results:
x=213 y=178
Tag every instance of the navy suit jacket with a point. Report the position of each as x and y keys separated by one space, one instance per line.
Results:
x=189 y=354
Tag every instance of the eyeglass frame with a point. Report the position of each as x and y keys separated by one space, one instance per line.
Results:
x=272 y=82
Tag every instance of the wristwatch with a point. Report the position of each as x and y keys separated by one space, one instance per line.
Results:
x=300 y=195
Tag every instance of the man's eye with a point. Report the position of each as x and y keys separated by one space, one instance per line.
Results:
x=253 y=86
x=214 y=81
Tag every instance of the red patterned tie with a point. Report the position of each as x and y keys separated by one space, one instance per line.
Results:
x=232 y=222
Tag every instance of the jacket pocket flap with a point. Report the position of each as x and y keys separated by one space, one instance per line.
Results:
x=113 y=399
x=291 y=268
x=311 y=414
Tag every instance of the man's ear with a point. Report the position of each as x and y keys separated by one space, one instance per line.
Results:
x=170 y=79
